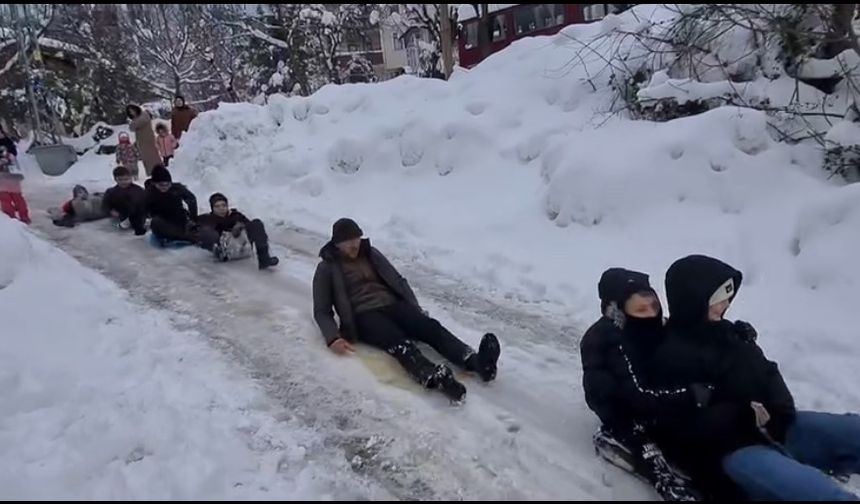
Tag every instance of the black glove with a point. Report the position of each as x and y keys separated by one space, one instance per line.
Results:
x=701 y=394
x=745 y=331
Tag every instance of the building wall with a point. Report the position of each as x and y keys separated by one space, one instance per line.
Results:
x=394 y=52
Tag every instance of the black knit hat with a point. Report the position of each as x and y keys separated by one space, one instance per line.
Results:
x=215 y=198
x=160 y=174
x=344 y=230
x=617 y=285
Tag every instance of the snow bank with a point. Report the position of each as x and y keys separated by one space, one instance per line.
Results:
x=502 y=178
x=102 y=400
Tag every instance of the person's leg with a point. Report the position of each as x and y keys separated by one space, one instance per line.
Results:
x=828 y=441
x=376 y=329
x=257 y=235
x=764 y=473
x=429 y=330
x=209 y=237
x=423 y=328
x=6 y=204
x=169 y=231
x=21 y=207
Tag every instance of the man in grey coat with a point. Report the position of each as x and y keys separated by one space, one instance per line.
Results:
x=376 y=306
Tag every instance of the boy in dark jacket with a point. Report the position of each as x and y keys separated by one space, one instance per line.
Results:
x=751 y=429
x=166 y=203
x=616 y=353
x=124 y=202
x=376 y=306
x=223 y=224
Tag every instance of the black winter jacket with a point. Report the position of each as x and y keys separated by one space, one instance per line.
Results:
x=124 y=199
x=714 y=352
x=616 y=360
x=222 y=224
x=169 y=205
x=329 y=290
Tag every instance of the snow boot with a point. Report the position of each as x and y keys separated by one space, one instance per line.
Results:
x=484 y=362
x=615 y=452
x=443 y=380
x=669 y=483
x=264 y=260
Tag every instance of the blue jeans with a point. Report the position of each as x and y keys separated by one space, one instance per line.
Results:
x=815 y=442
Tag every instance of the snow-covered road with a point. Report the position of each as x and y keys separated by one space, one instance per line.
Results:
x=526 y=436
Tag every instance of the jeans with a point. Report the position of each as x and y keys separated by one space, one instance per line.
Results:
x=815 y=442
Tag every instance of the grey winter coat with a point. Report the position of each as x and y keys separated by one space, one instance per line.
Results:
x=330 y=291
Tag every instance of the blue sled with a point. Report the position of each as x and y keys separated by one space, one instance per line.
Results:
x=159 y=242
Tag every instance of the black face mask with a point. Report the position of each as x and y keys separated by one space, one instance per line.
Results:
x=643 y=326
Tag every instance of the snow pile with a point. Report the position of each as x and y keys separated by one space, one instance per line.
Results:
x=511 y=177
x=102 y=400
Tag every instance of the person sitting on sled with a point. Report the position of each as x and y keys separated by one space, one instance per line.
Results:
x=615 y=353
x=165 y=203
x=228 y=233
x=124 y=202
x=83 y=207
x=376 y=306
x=751 y=431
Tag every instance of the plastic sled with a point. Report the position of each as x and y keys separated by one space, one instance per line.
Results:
x=158 y=242
x=54 y=160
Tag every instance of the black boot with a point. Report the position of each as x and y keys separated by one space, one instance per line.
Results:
x=264 y=260
x=485 y=361
x=443 y=380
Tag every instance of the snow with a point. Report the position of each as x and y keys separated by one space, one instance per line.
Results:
x=500 y=177
x=103 y=399
x=502 y=194
x=844 y=133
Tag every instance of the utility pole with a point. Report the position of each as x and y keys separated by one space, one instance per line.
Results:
x=447 y=56
x=23 y=47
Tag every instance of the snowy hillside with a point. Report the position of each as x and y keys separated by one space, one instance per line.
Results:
x=507 y=178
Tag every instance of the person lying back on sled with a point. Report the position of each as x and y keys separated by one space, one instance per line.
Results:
x=166 y=203
x=376 y=306
x=83 y=207
x=616 y=351
x=124 y=202
x=751 y=429
x=223 y=228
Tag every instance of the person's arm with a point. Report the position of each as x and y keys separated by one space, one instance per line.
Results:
x=174 y=126
x=405 y=288
x=597 y=381
x=190 y=200
x=323 y=298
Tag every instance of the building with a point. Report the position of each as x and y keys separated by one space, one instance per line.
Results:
x=401 y=48
x=510 y=22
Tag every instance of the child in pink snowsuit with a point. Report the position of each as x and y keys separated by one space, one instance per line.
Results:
x=12 y=201
x=127 y=154
x=166 y=143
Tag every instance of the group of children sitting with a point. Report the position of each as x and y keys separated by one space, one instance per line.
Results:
x=169 y=211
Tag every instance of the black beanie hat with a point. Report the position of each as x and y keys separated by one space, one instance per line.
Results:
x=215 y=198
x=160 y=174
x=345 y=230
x=617 y=285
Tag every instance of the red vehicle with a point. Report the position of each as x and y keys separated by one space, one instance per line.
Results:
x=515 y=21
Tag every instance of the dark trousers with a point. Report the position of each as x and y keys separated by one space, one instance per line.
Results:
x=167 y=230
x=133 y=211
x=255 y=230
x=394 y=329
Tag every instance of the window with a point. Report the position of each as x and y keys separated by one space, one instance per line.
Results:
x=500 y=31
x=594 y=11
x=398 y=42
x=352 y=48
x=538 y=17
x=472 y=35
